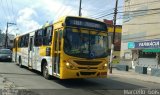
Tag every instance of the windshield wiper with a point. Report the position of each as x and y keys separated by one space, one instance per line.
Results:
x=82 y=41
x=67 y=40
x=89 y=49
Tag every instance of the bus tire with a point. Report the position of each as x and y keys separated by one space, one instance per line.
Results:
x=20 y=62
x=45 y=71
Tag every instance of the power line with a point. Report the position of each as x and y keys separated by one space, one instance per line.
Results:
x=70 y=11
x=141 y=10
x=8 y=9
x=155 y=9
x=61 y=12
x=13 y=12
x=139 y=4
x=141 y=15
x=137 y=14
x=105 y=15
x=3 y=8
x=143 y=23
x=58 y=10
x=103 y=9
x=102 y=12
x=64 y=9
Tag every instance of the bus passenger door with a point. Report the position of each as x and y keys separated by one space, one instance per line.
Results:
x=57 y=45
x=30 y=52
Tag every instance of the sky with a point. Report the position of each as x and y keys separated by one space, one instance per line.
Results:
x=32 y=14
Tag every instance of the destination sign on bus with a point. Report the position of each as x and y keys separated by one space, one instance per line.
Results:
x=86 y=23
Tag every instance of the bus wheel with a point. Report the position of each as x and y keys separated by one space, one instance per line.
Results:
x=20 y=62
x=45 y=71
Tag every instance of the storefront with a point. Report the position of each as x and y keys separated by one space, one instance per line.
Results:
x=145 y=53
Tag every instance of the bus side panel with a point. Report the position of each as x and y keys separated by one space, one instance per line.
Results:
x=37 y=60
x=49 y=63
x=23 y=54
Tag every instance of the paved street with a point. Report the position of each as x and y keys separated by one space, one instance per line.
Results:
x=21 y=78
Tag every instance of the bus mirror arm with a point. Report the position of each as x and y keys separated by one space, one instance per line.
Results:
x=64 y=34
x=50 y=38
x=109 y=52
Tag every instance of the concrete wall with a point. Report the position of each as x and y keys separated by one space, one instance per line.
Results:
x=10 y=40
x=141 y=22
x=141 y=25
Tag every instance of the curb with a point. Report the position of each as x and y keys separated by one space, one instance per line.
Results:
x=132 y=75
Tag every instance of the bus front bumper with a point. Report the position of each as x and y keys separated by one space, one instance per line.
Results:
x=71 y=74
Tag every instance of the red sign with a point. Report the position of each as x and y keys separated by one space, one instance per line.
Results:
x=108 y=22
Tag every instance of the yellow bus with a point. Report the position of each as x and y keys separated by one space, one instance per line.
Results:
x=72 y=47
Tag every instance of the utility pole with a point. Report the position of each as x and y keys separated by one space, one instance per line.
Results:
x=114 y=30
x=6 y=38
x=80 y=8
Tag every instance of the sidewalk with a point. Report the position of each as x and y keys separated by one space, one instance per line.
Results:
x=132 y=74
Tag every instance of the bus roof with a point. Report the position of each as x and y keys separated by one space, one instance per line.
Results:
x=24 y=34
x=64 y=18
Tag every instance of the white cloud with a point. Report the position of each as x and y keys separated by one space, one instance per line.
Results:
x=48 y=10
x=119 y=22
x=25 y=20
x=56 y=8
x=51 y=9
x=30 y=14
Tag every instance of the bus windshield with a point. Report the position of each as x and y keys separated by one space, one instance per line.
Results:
x=85 y=45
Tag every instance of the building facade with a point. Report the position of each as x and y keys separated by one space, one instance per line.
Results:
x=140 y=45
x=10 y=40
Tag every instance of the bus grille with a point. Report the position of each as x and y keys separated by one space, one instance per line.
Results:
x=87 y=68
x=87 y=73
x=88 y=62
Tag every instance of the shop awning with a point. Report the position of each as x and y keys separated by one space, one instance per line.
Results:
x=151 y=50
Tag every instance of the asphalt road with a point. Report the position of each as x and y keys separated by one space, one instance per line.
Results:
x=22 y=78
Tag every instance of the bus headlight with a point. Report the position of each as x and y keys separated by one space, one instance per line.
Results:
x=67 y=64
x=104 y=66
x=70 y=65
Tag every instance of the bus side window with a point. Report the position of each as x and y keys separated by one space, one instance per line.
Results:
x=26 y=40
x=35 y=38
x=47 y=37
x=49 y=33
x=38 y=41
x=22 y=41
